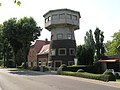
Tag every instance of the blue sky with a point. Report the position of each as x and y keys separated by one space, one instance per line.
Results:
x=104 y=14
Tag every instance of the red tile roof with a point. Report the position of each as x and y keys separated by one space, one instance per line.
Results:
x=39 y=44
x=109 y=60
x=44 y=50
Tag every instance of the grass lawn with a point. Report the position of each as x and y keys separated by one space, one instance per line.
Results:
x=118 y=80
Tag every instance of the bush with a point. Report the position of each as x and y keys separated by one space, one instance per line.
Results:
x=75 y=68
x=111 y=76
x=108 y=72
x=103 y=77
x=61 y=68
x=45 y=68
x=117 y=76
x=80 y=70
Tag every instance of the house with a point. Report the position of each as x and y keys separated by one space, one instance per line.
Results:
x=111 y=62
x=43 y=56
x=34 y=50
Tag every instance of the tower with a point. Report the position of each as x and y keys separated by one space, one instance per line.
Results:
x=62 y=23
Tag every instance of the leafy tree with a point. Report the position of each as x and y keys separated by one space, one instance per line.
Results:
x=89 y=40
x=84 y=55
x=20 y=34
x=99 y=38
x=28 y=31
x=11 y=33
x=5 y=48
x=112 y=45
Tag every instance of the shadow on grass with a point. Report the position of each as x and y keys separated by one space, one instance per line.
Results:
x=30 y=73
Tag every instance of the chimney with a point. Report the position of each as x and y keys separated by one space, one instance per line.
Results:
x=46 y=41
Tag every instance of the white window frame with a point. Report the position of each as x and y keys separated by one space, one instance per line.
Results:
x=69 y=36
x=53 y=52
x=59 y=37
x=60 y=53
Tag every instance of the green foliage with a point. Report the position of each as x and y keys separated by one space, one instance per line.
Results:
x=60 y=69
x=80 y=70
x=20 y=33
x=99 y=38
x=102 y=77
x=85 y=55
x=17 y=2
x=110 y=75
x=112 y=45
x=117 y=76
x=108 y=72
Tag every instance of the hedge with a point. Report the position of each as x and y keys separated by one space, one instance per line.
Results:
x=101 y=77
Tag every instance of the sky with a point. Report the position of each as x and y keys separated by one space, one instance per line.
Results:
x=104 y=14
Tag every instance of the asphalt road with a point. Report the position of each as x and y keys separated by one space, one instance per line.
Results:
x=29 y=80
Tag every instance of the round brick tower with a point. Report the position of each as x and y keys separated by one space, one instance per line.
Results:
x=62 y=23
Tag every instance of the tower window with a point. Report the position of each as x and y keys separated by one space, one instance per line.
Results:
x=69 y=16
x=55 y=16
x=49 y=18
x=74 y=17
x=53 y=52
x=62 y=51
x=72 y=51
x=62 y=16
x=60 y=36
x=69 y=36
x=46 y=20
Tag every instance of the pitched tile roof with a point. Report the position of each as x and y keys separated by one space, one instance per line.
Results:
x=44 y=50
x=39 y=44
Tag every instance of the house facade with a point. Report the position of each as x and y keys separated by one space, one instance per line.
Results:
x=33 y=52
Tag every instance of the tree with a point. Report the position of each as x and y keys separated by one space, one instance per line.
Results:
x=5 y=48
x=84 y=55
x=112 y=45
x=90 y=43
x=10 y=32
x=28 y=31
x=20 y=33
x=99 y=38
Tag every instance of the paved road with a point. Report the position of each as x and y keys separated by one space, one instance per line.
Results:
x=29 y=80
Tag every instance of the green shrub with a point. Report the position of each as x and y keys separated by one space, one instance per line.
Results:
x=117 y=76
x=75 y=68
x=108 y=72
x=80 y=70
x=45 y=68
x=103 y=77
x=61 y=68
x=110 y=75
